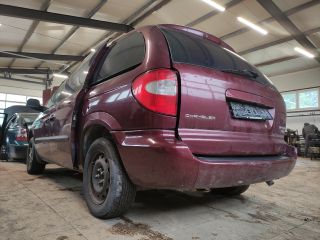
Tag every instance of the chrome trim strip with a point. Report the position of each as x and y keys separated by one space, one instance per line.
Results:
x=243 y=158
x=60 y=138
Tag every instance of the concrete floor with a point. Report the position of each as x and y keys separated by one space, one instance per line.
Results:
x=51 y=206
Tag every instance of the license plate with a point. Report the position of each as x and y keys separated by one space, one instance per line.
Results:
x=251 y=112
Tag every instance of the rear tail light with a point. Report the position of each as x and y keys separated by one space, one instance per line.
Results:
x=22 y=135
x=157 y=90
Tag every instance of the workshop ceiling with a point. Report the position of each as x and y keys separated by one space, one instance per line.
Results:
x=62 y=41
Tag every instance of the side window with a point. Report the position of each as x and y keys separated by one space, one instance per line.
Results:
x=56 y=96
x=124 y=55
x=70 y=86
x=50 y=102
x=63 y=92
x=76 y=80
x=78 y=77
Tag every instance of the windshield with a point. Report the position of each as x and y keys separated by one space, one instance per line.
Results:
x=191 y=49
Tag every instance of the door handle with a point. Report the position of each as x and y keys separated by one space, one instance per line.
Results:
x=52 y=117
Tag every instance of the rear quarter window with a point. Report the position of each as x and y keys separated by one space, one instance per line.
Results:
x=126 y=54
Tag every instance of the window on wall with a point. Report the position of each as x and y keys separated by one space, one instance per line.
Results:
x=290 y=100
x=8 y=100
x=307 y=99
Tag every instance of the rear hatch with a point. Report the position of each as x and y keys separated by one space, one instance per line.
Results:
x=227 y=107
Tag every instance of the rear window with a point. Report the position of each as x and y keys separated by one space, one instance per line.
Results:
x=191 y=49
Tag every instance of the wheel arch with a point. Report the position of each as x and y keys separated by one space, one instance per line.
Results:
x=97 y=125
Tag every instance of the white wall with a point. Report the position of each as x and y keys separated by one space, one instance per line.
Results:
x=298 y=80
x=21 y=88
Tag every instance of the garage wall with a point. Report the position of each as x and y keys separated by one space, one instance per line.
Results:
x=17 y=88
x=299 y=80
x=20 y=88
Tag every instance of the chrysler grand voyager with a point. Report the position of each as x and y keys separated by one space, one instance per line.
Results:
x=163 y=107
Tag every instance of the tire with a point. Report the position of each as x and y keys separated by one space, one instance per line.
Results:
x=34 y=164
x=9 y=158
x=107 y=189
x=3 y=157
x=231 y=191
x=3 y=153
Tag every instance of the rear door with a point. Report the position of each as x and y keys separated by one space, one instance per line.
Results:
x=60 y=125
x=207 y=122
x=41 y=130
x=61 y=119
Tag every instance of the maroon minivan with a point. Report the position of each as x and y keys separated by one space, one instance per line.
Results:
x=163 y=107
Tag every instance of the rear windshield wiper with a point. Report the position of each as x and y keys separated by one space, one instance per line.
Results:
x=243 y=72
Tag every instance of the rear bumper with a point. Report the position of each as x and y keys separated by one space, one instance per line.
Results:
x=156 y=159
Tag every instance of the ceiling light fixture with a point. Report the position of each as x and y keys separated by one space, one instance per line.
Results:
x=215 y=5
x=304 y=52
x=252 y=25
x=60 y=75
x=92 y=50
x=85 y=72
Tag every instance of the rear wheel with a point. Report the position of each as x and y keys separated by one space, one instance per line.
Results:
x=34 y=165
x=231 y=191
x=107 y=189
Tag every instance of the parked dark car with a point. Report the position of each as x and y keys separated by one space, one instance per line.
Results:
x=15 y=135
x=3 y=120
x=32 y=106
x=163 y=107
